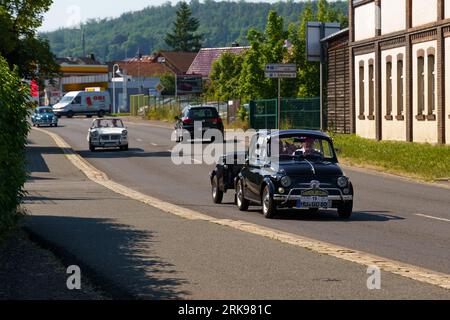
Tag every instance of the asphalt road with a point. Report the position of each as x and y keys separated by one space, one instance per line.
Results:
x=393 y=217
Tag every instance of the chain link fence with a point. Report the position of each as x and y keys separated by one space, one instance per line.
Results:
x=301 y=113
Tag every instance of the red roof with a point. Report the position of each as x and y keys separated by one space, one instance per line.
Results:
x=203 y=61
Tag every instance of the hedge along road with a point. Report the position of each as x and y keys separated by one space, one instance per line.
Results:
x=391 y=215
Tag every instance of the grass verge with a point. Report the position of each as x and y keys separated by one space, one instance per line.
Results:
x=416 y=160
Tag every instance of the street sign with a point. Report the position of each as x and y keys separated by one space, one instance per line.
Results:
x=315 y=32
x=274 y=67
x=159 y=87
x=281 y=75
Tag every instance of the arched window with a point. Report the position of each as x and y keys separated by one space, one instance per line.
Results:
x=361 y=89
x=420 y=83
x=371 y=90
x=431 y=83
x=389 y=88
x=400 y=86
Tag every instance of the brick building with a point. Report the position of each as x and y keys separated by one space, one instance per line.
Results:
x=399 y=57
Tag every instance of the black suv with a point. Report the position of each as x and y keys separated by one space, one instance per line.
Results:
x=196 y=120
x=288 y=169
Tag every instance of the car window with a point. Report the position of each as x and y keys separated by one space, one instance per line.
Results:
x=258 y=150
x=77 y=100
x=305 y=146
x=46 y=110
x=203 y=113
x=108 y=123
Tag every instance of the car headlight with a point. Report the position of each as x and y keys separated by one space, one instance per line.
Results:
x=286 y=181
x=342 y=182
x=124 y=133
x=94 y=134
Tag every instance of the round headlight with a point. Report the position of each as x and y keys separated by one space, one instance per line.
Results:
x=285 y=181
x=342 y=182
x=124 y=132
x=94 y=133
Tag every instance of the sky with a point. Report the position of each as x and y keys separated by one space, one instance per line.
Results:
x=69 y=13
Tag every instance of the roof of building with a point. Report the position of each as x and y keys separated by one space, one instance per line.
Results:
x=140 y=69
x=180 y=61
x=335 y=35
x=203 y=61
x=76 y=61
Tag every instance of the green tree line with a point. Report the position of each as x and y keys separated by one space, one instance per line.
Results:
x=221 y=23
x=243 y=76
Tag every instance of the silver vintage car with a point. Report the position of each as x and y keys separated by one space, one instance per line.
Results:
x=107 y=133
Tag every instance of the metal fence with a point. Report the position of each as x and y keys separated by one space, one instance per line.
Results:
x=295 y=114
x=141 y=104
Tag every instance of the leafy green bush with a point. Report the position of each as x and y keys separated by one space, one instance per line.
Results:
x=14 y=130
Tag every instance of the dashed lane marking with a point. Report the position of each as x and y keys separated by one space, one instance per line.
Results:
x=362 y=258
x=431 y=217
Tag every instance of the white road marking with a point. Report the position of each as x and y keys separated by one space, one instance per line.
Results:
x=431 y=217
x=362 y=258
x=154 y=144
x=139 y=140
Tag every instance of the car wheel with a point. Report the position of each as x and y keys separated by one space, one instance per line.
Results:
x=70 y=114
x=345 y=210
x=56 y=124
x=217 y=195
x=241 y=202
x=89 y=116
x=91 y=148
x=269 y=206
x=101 y=114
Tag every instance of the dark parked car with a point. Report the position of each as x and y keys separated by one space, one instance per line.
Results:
x=192 y=116
x=44 y=116
x=289 y=169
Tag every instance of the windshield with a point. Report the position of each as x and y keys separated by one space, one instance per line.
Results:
x=108 y=123
x=44 y=110
x=203 y=113
x=301 y=147
x=67 y=99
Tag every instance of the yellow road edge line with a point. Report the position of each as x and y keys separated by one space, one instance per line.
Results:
x=362 y=258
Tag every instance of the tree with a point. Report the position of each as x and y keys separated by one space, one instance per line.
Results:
x=13 y=136
x=183 y=37
x=21 y=46
x=225 y=76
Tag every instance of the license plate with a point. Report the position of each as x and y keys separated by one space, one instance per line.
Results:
x=314 y=198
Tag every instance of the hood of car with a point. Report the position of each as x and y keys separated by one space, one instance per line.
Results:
x=308 y=168
x=109 y=130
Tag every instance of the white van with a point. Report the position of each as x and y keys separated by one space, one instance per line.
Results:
x=88 y=103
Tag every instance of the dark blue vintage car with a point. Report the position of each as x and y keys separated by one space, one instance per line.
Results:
x=287 y=169
x=44 y=116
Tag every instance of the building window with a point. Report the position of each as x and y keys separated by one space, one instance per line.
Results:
x=420 y=85
x=371 y=91
x=400 y=86
x=431 y=85
x=361 y=90
x=389 y=89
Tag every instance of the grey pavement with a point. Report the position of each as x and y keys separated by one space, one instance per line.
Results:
x=137 y=251
x=393 y=217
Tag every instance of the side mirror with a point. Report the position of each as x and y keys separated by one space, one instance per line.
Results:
x=247 y=160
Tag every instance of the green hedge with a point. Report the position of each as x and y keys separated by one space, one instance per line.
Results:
x=14 y=130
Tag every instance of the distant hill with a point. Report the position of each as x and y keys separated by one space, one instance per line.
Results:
x=221 y=23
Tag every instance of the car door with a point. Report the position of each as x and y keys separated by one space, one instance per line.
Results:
x=256 y=162
x=75 y=106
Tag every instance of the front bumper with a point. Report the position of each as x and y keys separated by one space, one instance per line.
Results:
x=45 y=122
x=337 y=196
x=109 y=144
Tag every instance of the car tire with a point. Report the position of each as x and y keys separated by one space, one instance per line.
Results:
x=217 y=195
x=56 y=124
x=89 y=116
x=101 y=114
x=124 y=148
x=269 y=207
x=345 y=210
x=91 y=148
x=241 y=202
x=70 y=114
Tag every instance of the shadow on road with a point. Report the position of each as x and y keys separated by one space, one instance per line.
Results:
x=131 y=153
x=332 y=216
x=115 y=257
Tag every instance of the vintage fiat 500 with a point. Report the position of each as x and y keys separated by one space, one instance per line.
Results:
x=293 y=169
